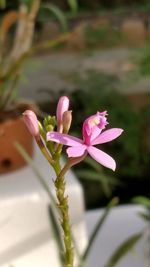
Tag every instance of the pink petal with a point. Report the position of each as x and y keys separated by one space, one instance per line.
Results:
x=31 y=122
x=107 y=136
x=95 y=133
x=62 y=106
x=101 y=157
x=64 y=139
x=76 y=151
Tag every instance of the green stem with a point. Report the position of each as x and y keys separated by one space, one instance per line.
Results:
x=44 y=150
x=64 y=211
x=63 y=205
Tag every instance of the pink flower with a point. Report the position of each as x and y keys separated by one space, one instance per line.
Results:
x=62 y=106
x=92 y=128
x=31 y=122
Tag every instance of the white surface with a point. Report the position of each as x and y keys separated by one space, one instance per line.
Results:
x=122 y=222
x=26 y=237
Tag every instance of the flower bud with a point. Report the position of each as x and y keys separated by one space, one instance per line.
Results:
x=49 y=128
x=31 y=122
x=62 y=106
x=49 y=120
x=66 y=120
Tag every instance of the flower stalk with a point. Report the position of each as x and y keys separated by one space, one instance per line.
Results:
x=63 y=206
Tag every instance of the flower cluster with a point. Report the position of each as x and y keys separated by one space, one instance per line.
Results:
x=92 y=132
x=51 y=143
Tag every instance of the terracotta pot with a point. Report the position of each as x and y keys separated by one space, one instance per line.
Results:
x=11 y=131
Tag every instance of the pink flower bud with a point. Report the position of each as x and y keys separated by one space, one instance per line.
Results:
x=31 y=122
x=66 y=121
x=62 y=106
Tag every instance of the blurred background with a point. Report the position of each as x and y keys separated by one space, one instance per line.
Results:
x=98 y=53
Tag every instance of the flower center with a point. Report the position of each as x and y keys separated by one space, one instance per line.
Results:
x=93 y=126
x=95 y=121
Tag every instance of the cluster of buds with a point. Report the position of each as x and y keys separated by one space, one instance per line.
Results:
x=62 y=121
x=92 y=132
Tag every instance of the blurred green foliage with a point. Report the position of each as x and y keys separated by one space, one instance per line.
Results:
x=87 y=4
x=143 y=60
x=102 y=36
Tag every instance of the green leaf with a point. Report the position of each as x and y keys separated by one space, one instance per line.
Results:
x=145 y=216
x=73 y=5
x=123 y=249
x=142 y=200
x=59 y=15
x=98 y=226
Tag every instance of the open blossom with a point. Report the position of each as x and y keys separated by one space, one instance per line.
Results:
x=62 y=106
x=31 y=122
x=92 y=135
